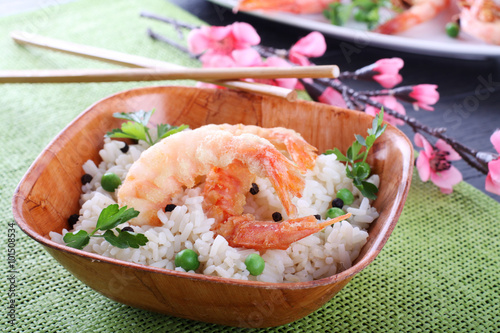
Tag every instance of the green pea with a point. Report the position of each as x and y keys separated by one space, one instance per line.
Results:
x=452 y=29
x=255 y=264
x=187 y=259
x=110 y=181
x=334 y=212
x=361 y=170
x=346 y=196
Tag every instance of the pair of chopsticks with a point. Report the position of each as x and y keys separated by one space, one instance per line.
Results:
x=155 y=70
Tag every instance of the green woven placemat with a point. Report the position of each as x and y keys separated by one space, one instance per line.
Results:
x=438 y=272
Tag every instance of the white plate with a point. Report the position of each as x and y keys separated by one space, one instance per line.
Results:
x=427 y=38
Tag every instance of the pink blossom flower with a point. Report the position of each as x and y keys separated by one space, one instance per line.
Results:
x=312 y=45
x=384 y=71
x=221 y=46
x=332 y=97
x=493 y=178
x=391 y=103
x=421 y=95
x=434 y=163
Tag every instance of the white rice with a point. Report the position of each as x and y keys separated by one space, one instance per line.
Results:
x=317 y=256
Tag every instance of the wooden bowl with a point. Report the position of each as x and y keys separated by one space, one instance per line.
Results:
x=48 y=194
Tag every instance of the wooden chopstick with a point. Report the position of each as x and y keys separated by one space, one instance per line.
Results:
x=157 y=74
x=138 y=61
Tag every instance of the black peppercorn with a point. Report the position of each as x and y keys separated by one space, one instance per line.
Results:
x=318 y=217
x=125 y=148
x=170 y=207
x=86 y=178
x=130 y=229
x=277 y=217
x=72 y=220
x=255 y=189
x=338 y=203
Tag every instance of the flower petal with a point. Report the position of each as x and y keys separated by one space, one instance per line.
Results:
x=245 y=34
x=197 y=41
x=421 y=141
x=452 y=154
x=312 y=45
x=492 y=183
x=423 y=167
x=333 y=97
x=447 y=179
x=246 y=57
x=494 y=170
x=388 y=80
x=495 y=140
x=388 y=65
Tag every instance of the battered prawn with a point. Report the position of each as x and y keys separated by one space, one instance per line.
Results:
x=230 y=163
x=419 y=12
x=481 y=19
x=292 y=6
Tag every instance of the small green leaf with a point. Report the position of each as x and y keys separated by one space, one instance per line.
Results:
x=340 y=157
x=165 y=130
x=338 y=13
x=369 y=190
x=360 y=139
x=135 y=130
x=141 y=117
x=370 y=139
x=77 y=240
x=349 y=154
x=112 y=216
x=361 y=170
x=125 y=239
x=356 y=147
x=380 y=130
x=380 y=117
x=349 y=173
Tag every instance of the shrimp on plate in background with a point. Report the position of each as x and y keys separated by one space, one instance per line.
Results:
x=292 y=6
x=419 y=11
x=230 y=163
x=481 y=19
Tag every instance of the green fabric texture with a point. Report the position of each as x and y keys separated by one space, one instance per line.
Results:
x=439 y=271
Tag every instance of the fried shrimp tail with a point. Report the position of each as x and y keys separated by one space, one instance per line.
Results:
x=244 y=231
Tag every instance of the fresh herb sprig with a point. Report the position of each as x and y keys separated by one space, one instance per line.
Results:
x=137 y=127
x=365 y=11
x=110 y=218
x=356 y=167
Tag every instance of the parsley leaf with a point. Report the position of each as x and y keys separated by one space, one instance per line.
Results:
x=109 y=218
x=77 y=240
x=137 y=127
x=125 y=239
x=165 y=130
x=112 y=216
x=141 y=117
